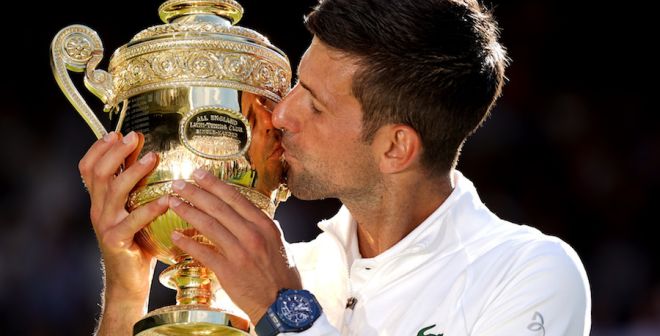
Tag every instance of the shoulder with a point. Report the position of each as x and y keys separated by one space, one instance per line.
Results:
x=525 y=273
x=509 y=251
x=525 y=267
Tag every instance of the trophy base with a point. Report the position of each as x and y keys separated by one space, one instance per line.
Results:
x=191 y=320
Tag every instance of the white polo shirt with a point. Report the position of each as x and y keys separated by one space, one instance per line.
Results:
x=463 y=271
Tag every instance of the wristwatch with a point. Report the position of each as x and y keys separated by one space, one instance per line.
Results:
x=293 y=311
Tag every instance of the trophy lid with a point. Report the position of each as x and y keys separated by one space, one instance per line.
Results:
x=199 y=45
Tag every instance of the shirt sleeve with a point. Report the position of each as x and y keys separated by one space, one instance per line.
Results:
x=321 y=327
x=546 y=294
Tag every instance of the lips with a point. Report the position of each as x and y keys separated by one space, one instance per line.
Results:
x=284 y=177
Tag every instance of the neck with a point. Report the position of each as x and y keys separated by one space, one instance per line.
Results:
x=393 y=211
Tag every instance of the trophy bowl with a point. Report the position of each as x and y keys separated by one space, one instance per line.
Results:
x=201 y=90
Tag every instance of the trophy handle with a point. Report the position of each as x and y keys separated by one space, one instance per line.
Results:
x=78 y=48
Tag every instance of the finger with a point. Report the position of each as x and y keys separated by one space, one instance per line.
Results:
x=108 y=165
x=126 y=181
x=229 y=195
x=94 y=153
x=121 y=235
x=209 y=256
x=217 y=209
x=130 y=160
x=86 y=167
x=208 y=226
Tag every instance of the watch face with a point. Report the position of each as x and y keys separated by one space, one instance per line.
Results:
x=296 y=310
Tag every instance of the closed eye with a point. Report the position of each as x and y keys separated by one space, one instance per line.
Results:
x=314 y=109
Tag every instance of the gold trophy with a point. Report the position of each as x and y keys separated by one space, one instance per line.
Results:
x=201 y=90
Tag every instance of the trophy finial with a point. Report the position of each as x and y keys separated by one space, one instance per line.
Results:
x=229 y=9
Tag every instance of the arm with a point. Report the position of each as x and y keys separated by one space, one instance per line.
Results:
x=127 y=268
x=548 y=295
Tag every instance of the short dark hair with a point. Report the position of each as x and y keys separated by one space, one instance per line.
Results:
x=435 y=65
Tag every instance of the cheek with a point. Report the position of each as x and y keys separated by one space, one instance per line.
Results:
x=344 y=157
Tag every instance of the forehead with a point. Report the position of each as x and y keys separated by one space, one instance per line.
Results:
x=327 y=70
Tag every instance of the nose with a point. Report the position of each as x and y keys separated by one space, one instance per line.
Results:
x=287 y=113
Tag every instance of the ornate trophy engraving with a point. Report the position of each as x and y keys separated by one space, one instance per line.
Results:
x=201 y=90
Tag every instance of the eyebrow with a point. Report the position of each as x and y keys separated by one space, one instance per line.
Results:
x=309 y=89
x=306 y=87
x=314 y=95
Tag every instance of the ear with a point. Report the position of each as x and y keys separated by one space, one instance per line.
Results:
x=399 y=146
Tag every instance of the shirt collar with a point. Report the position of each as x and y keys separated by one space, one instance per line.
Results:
x=432 y=231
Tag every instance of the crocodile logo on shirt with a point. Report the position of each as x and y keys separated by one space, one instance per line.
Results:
x=423 y=330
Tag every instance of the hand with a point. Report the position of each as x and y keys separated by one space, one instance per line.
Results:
x=248 y=256
x=127 y=267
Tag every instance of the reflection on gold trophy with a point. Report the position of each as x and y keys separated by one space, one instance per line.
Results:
x=201 y=90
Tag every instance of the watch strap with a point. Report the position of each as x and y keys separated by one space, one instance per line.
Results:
x=268 y=325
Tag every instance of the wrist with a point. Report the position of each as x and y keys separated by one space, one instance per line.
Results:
x=129 y=304
x=132 y=301
x=258 y=314
x=119 y=314
x=122 y=290
x=121 y=307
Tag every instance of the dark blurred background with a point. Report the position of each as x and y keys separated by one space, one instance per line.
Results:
x=572 y=148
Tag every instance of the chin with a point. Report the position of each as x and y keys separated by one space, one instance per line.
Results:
x=303 y=196
x=303 y=190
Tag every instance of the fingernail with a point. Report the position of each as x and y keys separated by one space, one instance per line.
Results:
x=149 y=158
x=200 y=174
x=175 y=202
x=109 y=137
x=129 y=138
x=163 y=201
x=176 y=235
x=178 y=185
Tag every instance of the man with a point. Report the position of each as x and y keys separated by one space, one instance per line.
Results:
x=388 y=91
